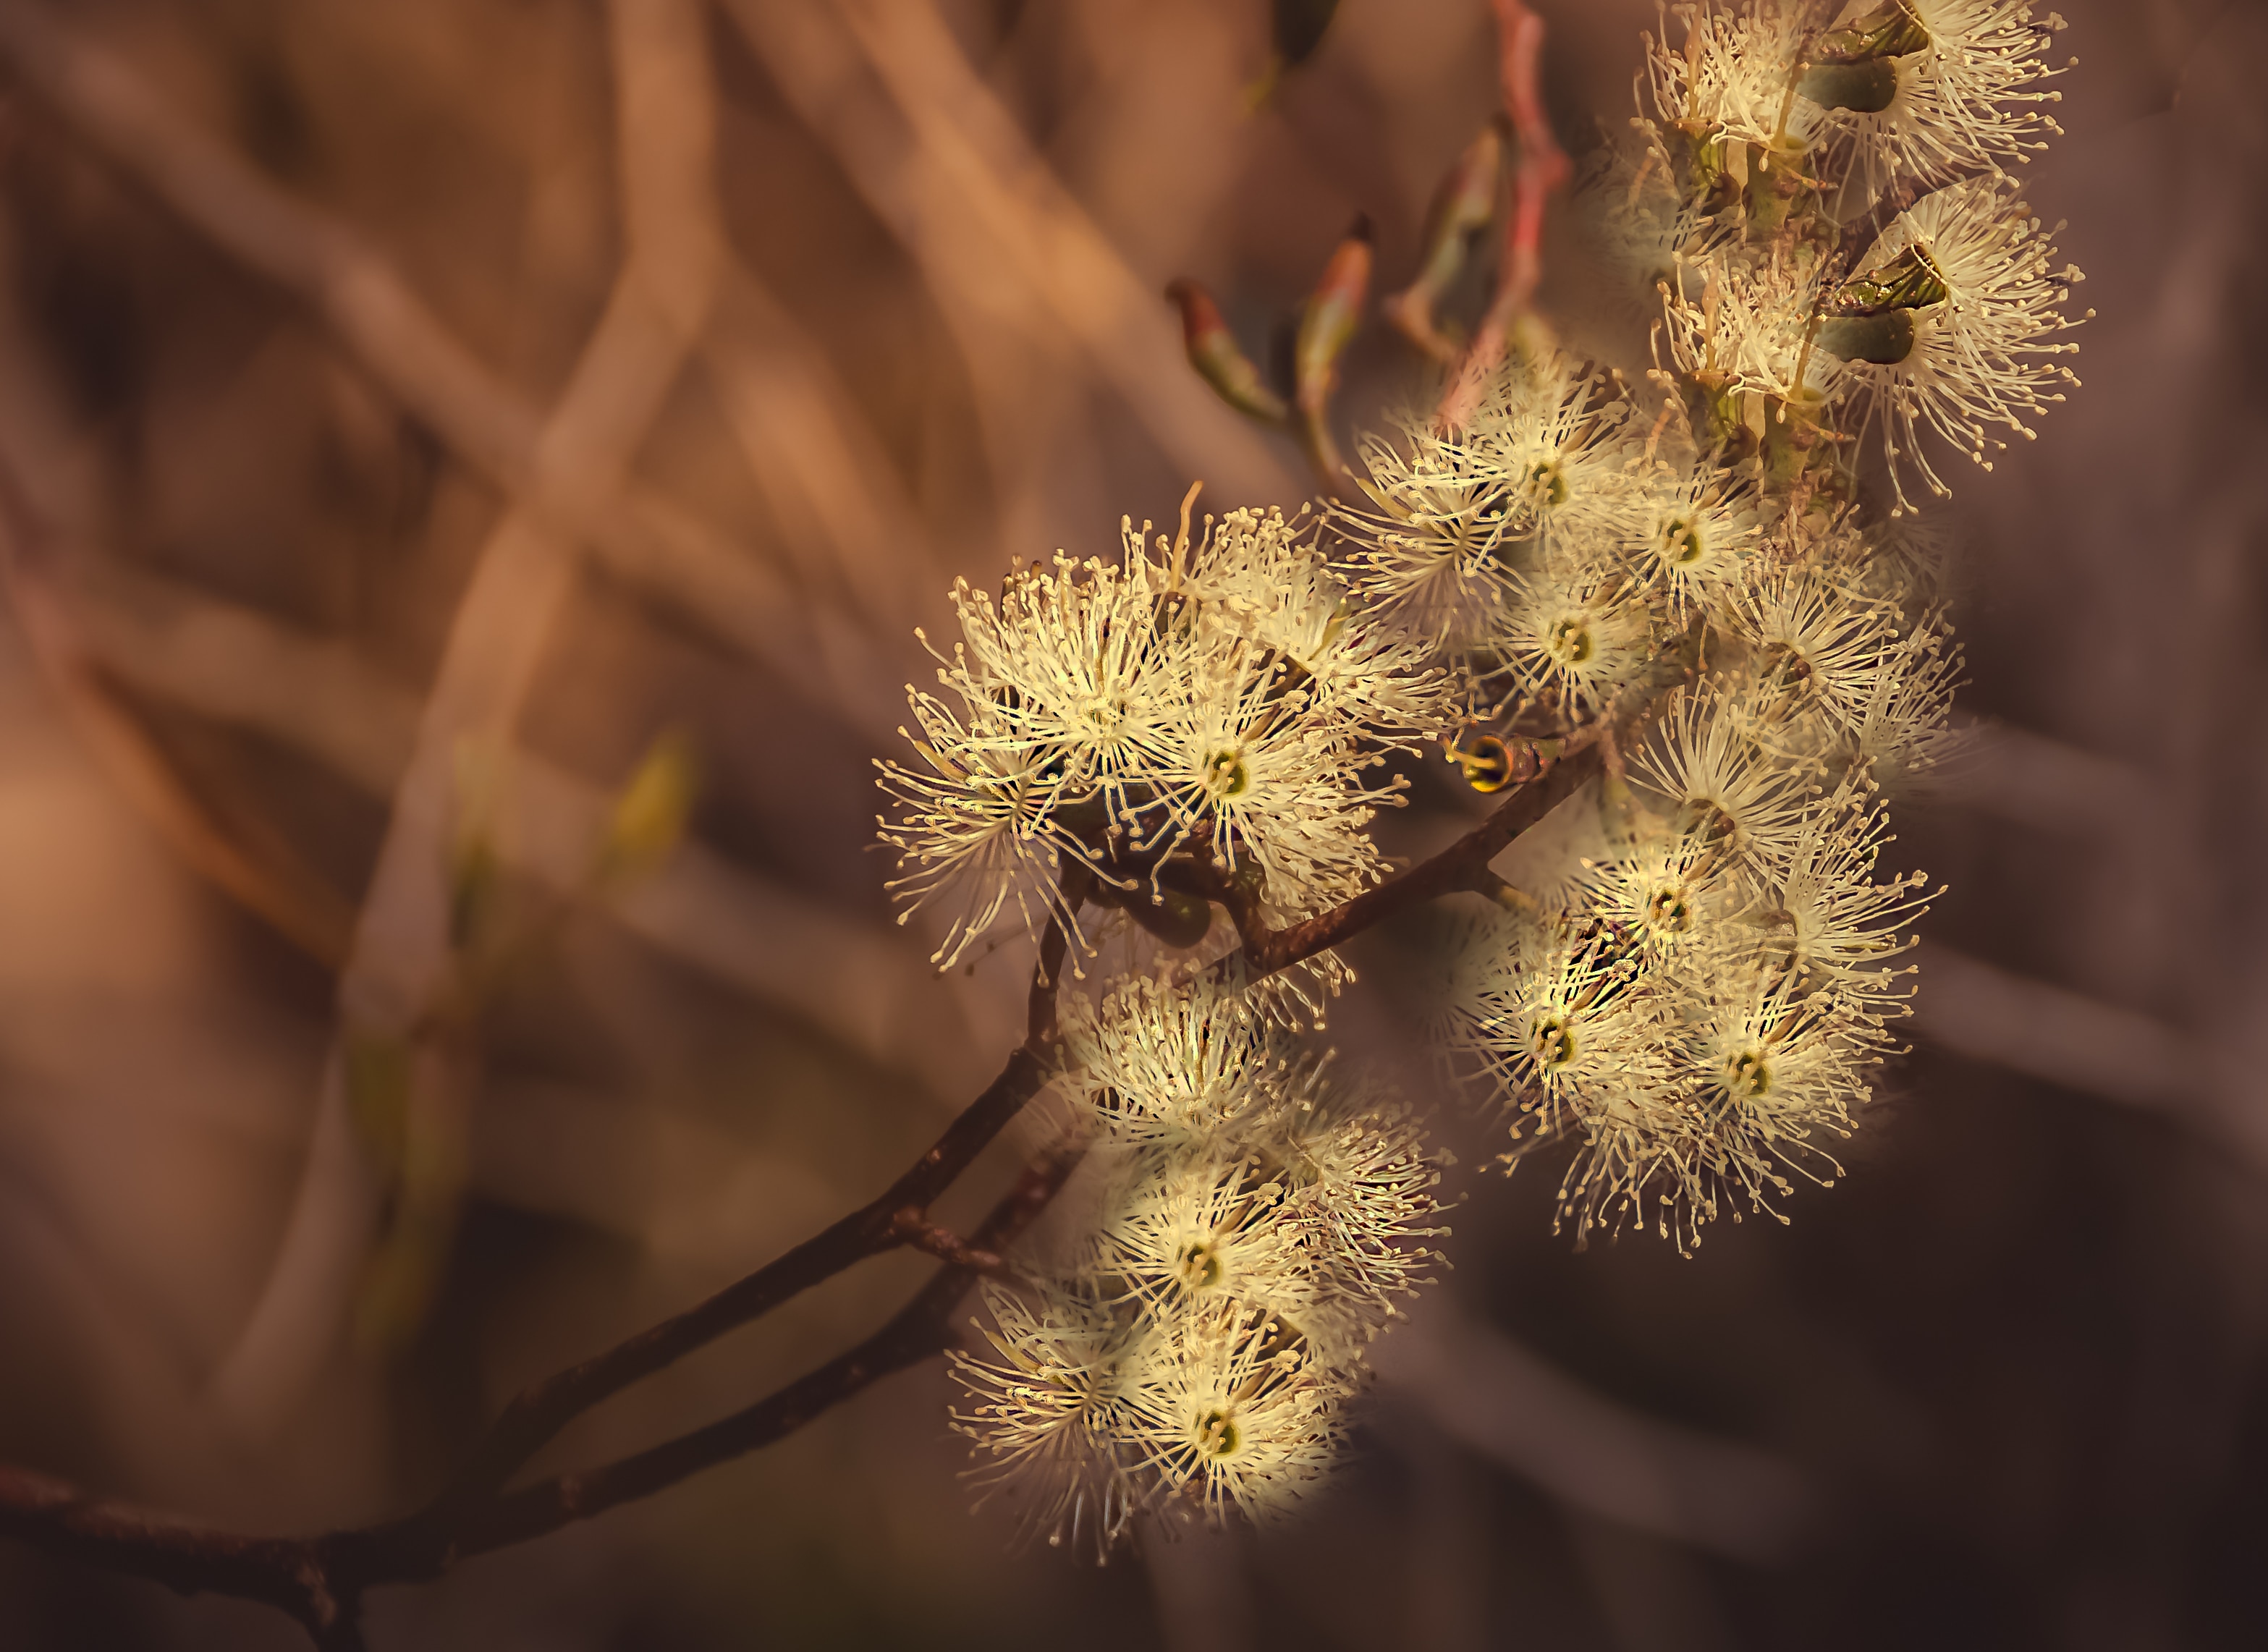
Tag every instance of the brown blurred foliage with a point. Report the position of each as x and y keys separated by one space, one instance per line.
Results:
x=328 y=647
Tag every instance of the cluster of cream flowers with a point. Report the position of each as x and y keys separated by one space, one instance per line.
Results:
x=1253 y=1222
x=1707 y=568
x=1827 y=213
x=1187 y=713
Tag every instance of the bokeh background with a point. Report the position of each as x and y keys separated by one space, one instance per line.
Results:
x=416 y=418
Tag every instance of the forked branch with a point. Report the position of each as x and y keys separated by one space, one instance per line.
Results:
x=320 y=1580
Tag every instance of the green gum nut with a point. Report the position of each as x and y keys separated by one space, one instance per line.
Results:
x=1884 y=340
x=1866 y=87
x=1855 y=67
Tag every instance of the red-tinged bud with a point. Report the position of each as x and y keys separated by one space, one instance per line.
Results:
x=1462 y=207
x=1214 y=352
x=1327 y=326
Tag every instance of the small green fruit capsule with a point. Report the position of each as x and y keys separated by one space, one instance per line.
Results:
x=1884 y=340
x=1868 y=86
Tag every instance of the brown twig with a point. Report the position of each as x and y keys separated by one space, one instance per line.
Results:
x=320 y=1580
x=406 y=958
x=916 y=1331
x=257 y=868
x=641 y=538
x=1542 y=167
x=282 y=1571
x=1463 y=865
x=913 y=1228
x=538 y=1414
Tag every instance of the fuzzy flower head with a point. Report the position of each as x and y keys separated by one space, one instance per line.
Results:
x=1564 y=1034
x=1926 y=90
x=1812 y=648
x=1715 y=779
x=1951 y=324
x=1552 y=435
x=1219 y=702
x=1767 y=1072
x=1542 y=459
x=1171 y=1065
x=1748 y=339
x=1667 y=893
x=1431 y=551
x=1230 y=1414
x=1265 y=778
x=1258 y=579
x=1579 y=642
x=1903 y=738
x=973 y=832
x=1361 y=1190
x=1049 y=1414
x=1731 y=83
x=1689 y=536
x=1070 y=669
x=1206 y=1229
x=1831 y=925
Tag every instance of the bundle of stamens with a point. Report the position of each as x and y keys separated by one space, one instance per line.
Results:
x=1701 y=572
x=1192 y=716
x=1256 y=1220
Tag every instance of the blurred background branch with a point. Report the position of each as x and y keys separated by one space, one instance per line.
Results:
x=293 y=298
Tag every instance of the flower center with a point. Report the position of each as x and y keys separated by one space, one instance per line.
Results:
x=1552 y=1042
x=1569 y=641
x=1668 y=910
x=1679 y=542
x=1197 y=1266
x=1218 y=1434
x=1748 y=1074
x=1547 y=483
x=1225 y=774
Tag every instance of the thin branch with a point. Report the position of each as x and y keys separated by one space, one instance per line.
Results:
x=405 y=957
x=914 y=1228
x=119 y=1536
x=322 y=698
x=1542 y=167
x=475 y=1515
x=919 y=1330
x=639 y=537
x=540 y=1413
x=1463 y=865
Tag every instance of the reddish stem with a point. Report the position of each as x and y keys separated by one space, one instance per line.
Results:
x=1542 y=167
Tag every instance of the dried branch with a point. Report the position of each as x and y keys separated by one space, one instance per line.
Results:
x=320 y=1580
x=917 y=1230
x=284 y=1571
x=324 y=700
x=405 y=957
x=919 y=1330
x=1541 y=168
x=1463 y=865
x=652 y=545
x=993 y=229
